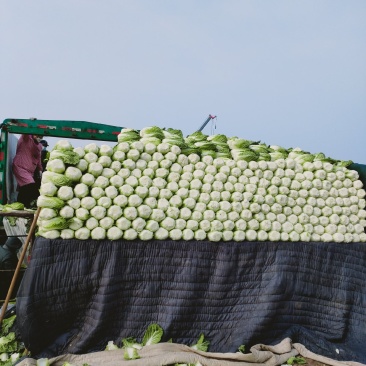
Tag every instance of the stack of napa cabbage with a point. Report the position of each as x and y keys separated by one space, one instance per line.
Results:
x=157 y=184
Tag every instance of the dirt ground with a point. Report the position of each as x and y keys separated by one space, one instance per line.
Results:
x=310 y=362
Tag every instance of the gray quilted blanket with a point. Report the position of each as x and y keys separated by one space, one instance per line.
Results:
x=78 y=295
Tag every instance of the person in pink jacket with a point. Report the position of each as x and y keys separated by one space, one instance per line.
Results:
x=26 y=166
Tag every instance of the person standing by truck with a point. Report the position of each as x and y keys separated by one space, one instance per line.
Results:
x=27 y=164
x=45 y=154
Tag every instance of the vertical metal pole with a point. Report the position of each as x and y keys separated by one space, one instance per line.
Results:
x=4 y=150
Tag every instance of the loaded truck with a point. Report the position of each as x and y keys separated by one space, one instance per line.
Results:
x=93 y=280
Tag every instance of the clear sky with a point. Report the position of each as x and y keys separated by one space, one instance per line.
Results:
x=285 y=72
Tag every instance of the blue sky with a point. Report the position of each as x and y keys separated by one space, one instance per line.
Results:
x=285 y=72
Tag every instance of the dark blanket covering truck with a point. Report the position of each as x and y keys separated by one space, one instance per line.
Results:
x=78 y=295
